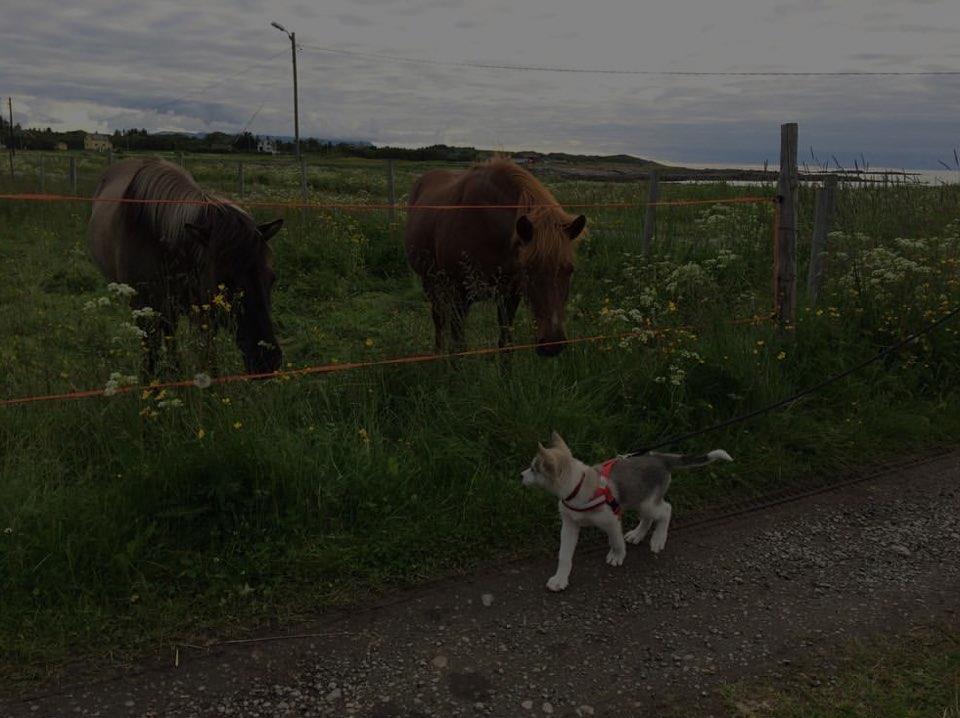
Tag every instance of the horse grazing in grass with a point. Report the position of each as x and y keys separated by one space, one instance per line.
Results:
x=525 y=249
x=187 y=248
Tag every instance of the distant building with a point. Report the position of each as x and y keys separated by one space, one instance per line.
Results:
x=97 y=142
x=61 y=147
x=265 y=144
x=526 y=158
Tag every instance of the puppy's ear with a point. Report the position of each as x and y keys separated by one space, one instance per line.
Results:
x=548 y=463
x=557 y=441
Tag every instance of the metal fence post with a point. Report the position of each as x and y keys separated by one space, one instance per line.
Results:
x=785 y=255
x=391 y=192
x=818 y=242
x=650 y=218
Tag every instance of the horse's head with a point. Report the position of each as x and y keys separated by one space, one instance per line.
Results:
x=547 y=252
x=240 y=262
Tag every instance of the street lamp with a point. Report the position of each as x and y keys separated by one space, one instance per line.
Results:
x=296 y=104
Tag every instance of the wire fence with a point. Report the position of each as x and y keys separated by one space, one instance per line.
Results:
x=636 y=203
x=334 y=368
x=418 y=359
x=276 y=204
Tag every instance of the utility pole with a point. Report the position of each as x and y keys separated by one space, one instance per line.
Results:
x=296 y=108
x=12 y=151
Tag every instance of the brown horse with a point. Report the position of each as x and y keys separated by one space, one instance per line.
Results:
x=183 y=252
x=524 y=250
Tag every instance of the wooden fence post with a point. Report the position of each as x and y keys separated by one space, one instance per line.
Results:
x=650 y=218
x=109 y=157
x=240 y=179
x=180 y=158
x=818 y=243
x=785 y=251
x=303 y=180
x=391 y=192
x=73 y=175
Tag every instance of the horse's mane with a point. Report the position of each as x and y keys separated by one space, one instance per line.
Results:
x=551 y=245
x=184 y=202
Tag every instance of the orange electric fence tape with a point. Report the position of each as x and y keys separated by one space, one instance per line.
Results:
x=347 y=366
x=332 y=368
x=28 y=197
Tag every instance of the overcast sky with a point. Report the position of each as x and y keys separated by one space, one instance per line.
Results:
x=106 y=64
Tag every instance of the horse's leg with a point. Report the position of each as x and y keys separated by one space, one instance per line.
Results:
x=506 y=312
x=152 y=350
x=153 y=329
x=166 y=327
x=439 y=308
x=439 y=314
x=208 y=349
x=458 y=317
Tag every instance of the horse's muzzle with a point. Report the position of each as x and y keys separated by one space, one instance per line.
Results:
x=550 y=347
x=263 y=360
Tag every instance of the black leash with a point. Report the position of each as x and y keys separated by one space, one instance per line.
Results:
x=806 y=392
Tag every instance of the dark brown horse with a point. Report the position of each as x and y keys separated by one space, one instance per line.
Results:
x=183 y=253
x=525 y=250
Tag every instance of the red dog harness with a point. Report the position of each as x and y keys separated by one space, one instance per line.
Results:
x=601 y=497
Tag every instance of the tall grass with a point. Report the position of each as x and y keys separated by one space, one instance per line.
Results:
x=152 y=516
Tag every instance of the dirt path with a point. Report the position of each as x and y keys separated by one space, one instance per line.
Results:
x=723 y=602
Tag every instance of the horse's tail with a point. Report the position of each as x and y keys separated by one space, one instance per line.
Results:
x=415 y=191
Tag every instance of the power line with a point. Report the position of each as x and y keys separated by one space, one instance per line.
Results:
x=602 y=71
x=215 y=83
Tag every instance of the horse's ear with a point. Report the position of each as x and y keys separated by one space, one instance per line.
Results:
x=198 y=234
x=269 y=229
x=524 y=229
x=574 y=229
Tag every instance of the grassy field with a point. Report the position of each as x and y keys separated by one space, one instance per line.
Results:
x=916 y=675
x=152 y=517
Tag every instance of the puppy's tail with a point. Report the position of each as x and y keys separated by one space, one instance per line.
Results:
x=690 y=461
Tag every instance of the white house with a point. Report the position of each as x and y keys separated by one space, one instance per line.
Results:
x=265 y=144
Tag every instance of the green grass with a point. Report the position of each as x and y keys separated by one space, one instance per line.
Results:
x=127 y=521
x=916 y=675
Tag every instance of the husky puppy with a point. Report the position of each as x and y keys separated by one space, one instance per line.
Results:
x=596 y=495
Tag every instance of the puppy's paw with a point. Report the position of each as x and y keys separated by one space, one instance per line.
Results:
x=636 y=535
x=557 y=583
x=615 y=558
x=657 y=542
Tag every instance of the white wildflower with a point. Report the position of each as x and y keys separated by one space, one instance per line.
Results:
x=144 y=313
x=202 y=380
x=121 y=290
x=133 y=330
x=93 y=304
x=118 y=381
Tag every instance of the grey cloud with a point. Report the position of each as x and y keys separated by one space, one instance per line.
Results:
x=355 y=20
x=113 y=64
x=798 y=7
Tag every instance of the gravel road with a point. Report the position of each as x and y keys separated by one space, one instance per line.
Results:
x=736 y=599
